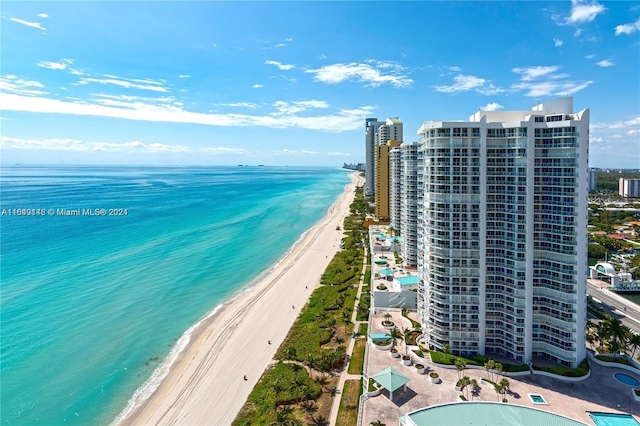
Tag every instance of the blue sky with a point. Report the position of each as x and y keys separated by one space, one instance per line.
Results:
x=290 y=83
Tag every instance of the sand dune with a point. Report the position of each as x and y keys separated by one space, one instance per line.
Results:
x=205 y=386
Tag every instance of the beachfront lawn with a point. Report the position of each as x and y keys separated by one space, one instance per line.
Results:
x=348 y=411
x=357 y=357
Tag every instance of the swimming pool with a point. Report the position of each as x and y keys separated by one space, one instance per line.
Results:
x=537 y=399
x=627 y=379
x=610 y=419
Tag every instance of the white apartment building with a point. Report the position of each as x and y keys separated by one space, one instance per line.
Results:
x=395 y=188
x=409 y=163
x=629 y=187
x=502 y=241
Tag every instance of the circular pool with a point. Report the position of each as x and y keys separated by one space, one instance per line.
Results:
x=627 y=379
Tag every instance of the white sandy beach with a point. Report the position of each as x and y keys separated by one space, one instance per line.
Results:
x=205 y=386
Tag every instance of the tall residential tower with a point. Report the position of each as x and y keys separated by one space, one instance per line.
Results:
x=502 y=242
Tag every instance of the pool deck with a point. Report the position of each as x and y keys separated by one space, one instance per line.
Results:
x=601 y=392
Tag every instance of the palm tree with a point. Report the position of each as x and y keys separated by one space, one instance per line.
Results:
x=504 y=386
x=363 y=311
x=489 y=365
x=616 y=332
x=460 y=366
x=319 y=421
x=498 y=388
x=634 y=342
x=406 y=334
x=498 y=367
x=465 y=382
x=322 y=380
x=308 y=408
x=387 y=316
x=474 y=387
x=396 y=335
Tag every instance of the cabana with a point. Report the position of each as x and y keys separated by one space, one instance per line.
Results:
x=391 y=380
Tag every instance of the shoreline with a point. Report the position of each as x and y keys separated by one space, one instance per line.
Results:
x=204 y=382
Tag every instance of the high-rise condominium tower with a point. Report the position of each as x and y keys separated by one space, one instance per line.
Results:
x=378 y=133
x=502 y=242
x=371 y=129
x=383 y=180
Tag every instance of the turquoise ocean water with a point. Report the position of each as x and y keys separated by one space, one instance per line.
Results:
x=94 y=307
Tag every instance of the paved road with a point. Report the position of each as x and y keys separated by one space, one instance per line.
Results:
x=617 y=306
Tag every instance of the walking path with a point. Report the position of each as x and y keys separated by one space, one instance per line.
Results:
x=344 y=375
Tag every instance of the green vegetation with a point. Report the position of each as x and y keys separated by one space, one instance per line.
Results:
x=614 y=360
x=611 y=336
x=367 y=276
x=364 y=304
x=348 y=411
x=415 y=324
x=462 y=397
x=280 y=386
x=608 y=182
x=363 y=330
x=582 y=370
x=372 y=385
x=448 y=359
x=357 y=357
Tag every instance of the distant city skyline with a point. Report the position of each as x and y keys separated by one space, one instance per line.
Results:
x=291 y=83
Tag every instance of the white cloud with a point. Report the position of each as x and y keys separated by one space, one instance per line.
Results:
x=43 y=15
x=296 y=107
x=257 y=86
x=18 y=86
x=128 y=83
x=373 y=73
x=605 y=63
x=465 y=83
x=280 y=45
x=548 y=88
x=557 y=42
x=493 y=106
x=583 y=11
x=628 y=28
x=221 y=150
x=184 y=76
x=282 y=67
x=288 y=39
x=62 y=64
x=557 y=84
x=456 y=69
x=531 y=73
x=28 y=24
x=337 y=121
x=590 y=56
x=54 y=144
x=577 y=32
x=242 y=105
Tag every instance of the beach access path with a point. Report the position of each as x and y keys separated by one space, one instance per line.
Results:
x=205 y=385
